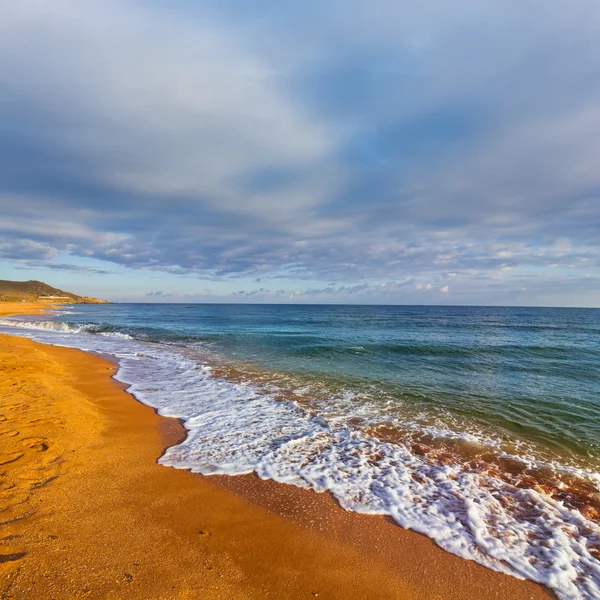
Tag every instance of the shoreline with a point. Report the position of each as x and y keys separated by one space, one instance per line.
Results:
x=142 y=528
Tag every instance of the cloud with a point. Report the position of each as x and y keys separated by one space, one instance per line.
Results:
x=423 y=286
x=151 y=104
x=321 y=141
x=26 y=250
x=159 y=294
x=81 y=269
x=257 y=292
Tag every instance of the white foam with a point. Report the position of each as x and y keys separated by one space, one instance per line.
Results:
x=235 y=429
x=60 y=327
x=116 y=334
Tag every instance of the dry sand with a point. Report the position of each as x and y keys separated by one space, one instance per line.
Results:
x=86 y=512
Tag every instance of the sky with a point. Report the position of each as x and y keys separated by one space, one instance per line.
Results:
x=318 y=151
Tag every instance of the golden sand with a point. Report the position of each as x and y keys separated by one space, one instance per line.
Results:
x=23 y=308
x=86 y=511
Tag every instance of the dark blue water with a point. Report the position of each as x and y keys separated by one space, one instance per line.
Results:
x=533 y=373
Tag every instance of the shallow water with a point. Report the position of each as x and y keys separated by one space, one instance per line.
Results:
x=477 y=426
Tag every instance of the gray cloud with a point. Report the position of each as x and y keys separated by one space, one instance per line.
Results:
x=450 y=146
x=82 y=269
x=26 y=250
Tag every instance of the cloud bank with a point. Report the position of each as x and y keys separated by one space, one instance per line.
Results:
x=447 y=149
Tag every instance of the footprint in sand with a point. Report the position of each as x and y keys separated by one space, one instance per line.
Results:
x=11 y=433
x=37 y=478
x=5 y=459
x=31 y=474
x=39 y=484
x=46 y=422
x=36 y=444
x=4 y=558
x=10 y=500
x=18 y=408
x=13 y=518
x=10 y=538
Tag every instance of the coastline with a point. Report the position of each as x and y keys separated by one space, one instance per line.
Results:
x=92 y=515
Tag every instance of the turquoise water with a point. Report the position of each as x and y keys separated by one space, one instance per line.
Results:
x=479 y=427
x=530 y=372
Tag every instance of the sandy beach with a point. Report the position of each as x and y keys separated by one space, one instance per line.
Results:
x=86 y=511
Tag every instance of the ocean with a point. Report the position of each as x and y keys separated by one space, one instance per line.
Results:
x=479 y=427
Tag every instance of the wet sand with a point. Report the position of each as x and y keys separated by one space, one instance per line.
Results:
x=86 y=512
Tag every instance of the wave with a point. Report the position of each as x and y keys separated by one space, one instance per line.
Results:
x=504 y=509
x=62 y=327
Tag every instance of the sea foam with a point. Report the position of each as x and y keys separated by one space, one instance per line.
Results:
x=234 y=428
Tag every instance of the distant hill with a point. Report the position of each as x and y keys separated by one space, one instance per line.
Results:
x=36 y=291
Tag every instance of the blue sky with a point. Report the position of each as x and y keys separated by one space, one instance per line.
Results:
x=331 y=151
